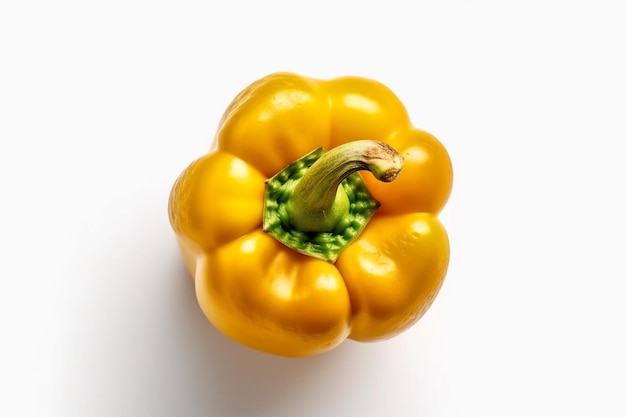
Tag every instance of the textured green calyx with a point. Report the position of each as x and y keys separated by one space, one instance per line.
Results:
x=320 y=213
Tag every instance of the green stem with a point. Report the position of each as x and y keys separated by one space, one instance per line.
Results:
x=318 y=201
x=317 y=207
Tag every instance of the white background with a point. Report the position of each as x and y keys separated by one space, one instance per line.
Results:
x=102 y=104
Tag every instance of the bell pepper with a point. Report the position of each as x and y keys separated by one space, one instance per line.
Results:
x=314 y=217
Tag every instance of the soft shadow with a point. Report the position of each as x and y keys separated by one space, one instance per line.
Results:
x=228 y=379
x=139 y=344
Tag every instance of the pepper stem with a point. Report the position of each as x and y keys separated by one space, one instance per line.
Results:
x=315 y=205
x=319 y=201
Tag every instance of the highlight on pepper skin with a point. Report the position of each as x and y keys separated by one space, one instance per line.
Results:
x=314 y=219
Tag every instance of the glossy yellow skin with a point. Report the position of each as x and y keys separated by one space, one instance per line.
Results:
x=271 y=298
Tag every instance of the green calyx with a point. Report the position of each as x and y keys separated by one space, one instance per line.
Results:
x=319 y=204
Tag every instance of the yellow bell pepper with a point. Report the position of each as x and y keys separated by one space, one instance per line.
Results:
x=293 y=251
